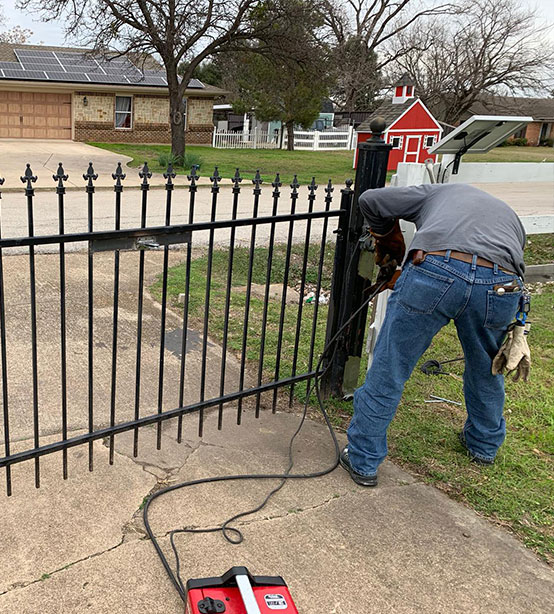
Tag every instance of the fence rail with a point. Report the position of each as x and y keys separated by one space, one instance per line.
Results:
x=254 y=139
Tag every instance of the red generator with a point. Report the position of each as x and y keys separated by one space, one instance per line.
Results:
x=238 y=592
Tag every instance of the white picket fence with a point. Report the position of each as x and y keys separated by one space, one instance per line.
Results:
x=303 y=139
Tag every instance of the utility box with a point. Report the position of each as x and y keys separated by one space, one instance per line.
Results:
x=238 y=592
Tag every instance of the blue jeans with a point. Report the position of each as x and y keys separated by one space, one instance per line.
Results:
x=426 y=297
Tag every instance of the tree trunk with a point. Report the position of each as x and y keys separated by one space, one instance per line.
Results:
x=290 y=135
x=177 y=123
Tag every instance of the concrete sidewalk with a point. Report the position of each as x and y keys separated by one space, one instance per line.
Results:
x=79 y=546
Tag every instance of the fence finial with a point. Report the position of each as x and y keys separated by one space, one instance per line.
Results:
x=329 y=188
x=119 y=176
x=215 y=178
x=145 y=174
x=277 y=182
x=312 y=187
x=28 y=177
x=169 y=175
x=377 y=127
x=295 y=185
x=237 y=178
x=257 y=181
x=193 y=176
x=60 y=176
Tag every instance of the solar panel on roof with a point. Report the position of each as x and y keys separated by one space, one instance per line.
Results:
x=15 y=65
x=33 y=53
x=65 y=76
x=24 y=74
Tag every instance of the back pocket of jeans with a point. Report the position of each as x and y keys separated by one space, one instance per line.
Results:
x=421 y=290
x=501 y=309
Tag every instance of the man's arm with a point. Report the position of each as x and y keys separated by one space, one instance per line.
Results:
x=382 y=206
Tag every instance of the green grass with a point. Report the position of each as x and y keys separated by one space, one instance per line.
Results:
x=539 y=249
x=513 y=154
x=323 y=165
x=517 y=492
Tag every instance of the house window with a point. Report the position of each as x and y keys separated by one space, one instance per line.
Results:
x=429 y=141
x=123 y=112
x=399 y=89
x=396 y=142
x=409 y=89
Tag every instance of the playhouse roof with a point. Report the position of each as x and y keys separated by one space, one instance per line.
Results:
x=389 y=111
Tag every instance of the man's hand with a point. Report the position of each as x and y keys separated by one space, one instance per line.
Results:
x=389 y=248
x=389 y=253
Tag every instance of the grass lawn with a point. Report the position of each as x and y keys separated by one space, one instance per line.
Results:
x=513 y=154
x=517 y=492
x=336 y=165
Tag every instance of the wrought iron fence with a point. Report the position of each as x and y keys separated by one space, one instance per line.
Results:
x=121 y=323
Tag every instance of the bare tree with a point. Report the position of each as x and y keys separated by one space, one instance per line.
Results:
x=177 y=32
x=493 y=47
x=359 y=32
x=16 y=35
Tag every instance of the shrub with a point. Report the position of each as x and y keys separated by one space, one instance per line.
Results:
x=166 y=157
x=520 y=142
x=505 y=143
x=547 y=142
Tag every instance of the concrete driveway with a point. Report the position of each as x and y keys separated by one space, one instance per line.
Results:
x=44 y=157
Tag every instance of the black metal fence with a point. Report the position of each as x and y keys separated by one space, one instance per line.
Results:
x=170 y=303
x=69 y=347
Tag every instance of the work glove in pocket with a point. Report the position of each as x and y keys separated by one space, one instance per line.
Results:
x=514 y=354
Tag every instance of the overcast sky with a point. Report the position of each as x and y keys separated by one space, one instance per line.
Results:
x=52 y=33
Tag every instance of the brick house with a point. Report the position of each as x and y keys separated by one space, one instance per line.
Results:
x=540 y=109
x=61 y=93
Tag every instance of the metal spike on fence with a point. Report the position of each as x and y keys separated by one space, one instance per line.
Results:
x=90 y=176
x=29 y=178
x=169 y=175
x=145 y=175
x=312 y=187
x=257 y=181
x=329 y=188
x=237 y=178
x=119 y=176
x=295 y=185
x=193 y=175
x=60 y=177
x=215 y=179
x=277 y=182
x=2 y=181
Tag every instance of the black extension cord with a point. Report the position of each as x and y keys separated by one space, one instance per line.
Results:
x=232 y=534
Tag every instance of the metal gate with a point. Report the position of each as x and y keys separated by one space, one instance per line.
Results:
x=213 y=302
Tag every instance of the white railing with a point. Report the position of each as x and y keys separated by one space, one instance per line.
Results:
x=255 y=139
x=303 y=139
x=329 y=140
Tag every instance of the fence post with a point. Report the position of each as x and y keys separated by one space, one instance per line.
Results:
x=213 y=136
x=353 y=269
x=315 y=145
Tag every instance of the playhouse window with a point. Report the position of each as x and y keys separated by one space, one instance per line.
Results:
x=429 y=141
x=396 y=142
x=399 y=89
x=409 y=90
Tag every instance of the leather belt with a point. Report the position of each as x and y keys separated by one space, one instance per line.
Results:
x=419 y=256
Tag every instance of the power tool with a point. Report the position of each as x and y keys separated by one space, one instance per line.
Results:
x=238 y=592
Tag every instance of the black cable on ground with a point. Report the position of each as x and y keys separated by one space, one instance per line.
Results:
x=225 y=529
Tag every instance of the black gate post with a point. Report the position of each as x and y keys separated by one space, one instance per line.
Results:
x=353 y=270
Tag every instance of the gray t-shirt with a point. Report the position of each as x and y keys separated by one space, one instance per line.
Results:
x=452 y=216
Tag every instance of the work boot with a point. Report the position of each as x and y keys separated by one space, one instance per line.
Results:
x=474 y=459
x=361 y=480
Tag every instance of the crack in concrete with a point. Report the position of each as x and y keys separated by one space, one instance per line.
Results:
x=48 y=575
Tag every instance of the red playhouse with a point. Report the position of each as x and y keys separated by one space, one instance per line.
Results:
x=411 y=129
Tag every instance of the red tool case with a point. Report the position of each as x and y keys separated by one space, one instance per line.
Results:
x=238 y=592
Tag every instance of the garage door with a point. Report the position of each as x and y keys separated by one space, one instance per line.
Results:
x=34 y=115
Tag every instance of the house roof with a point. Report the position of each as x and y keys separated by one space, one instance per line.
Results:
x=540 y=109
x=74 y=66
x=388 y=111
